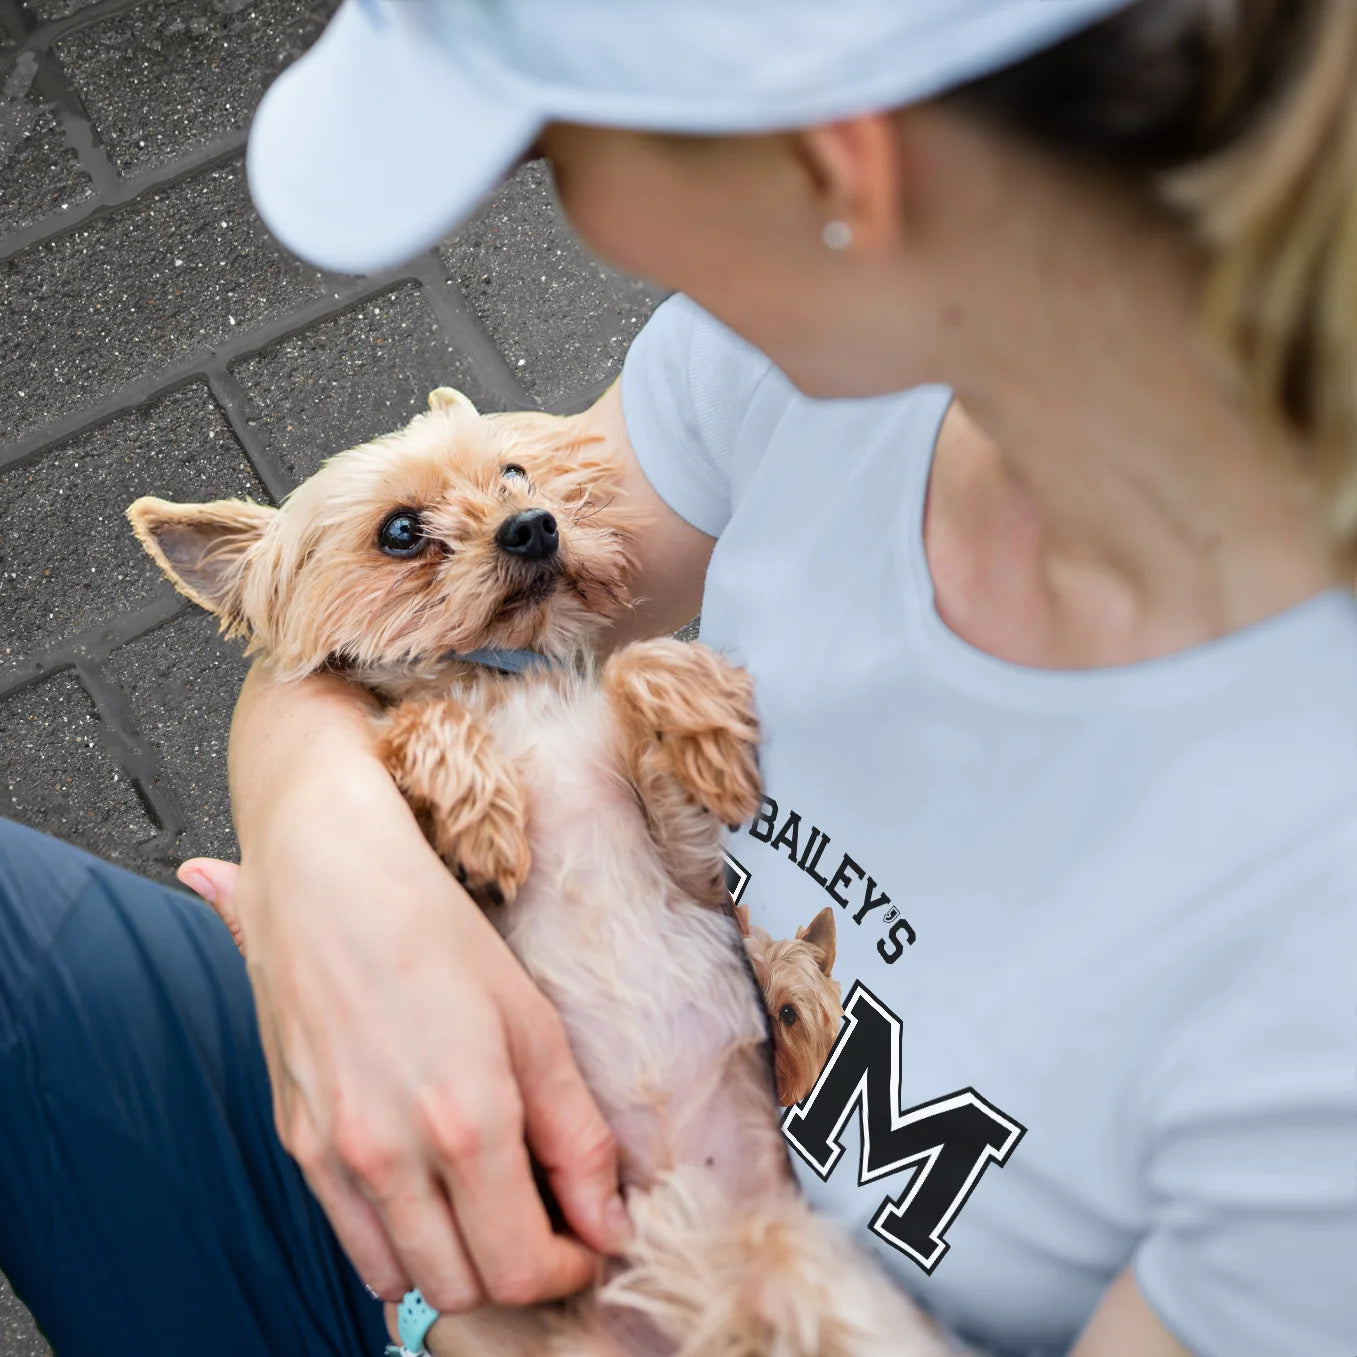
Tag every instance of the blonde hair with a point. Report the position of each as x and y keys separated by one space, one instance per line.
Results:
x=1278 y=209
x=1241 y=116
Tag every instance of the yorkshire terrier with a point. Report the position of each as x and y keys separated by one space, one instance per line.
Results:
x=803 y=1000
x=582 y=806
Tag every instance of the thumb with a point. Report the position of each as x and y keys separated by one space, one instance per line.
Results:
x=572 y=1142
x=215 y=881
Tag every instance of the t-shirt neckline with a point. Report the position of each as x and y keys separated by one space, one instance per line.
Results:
x=1266 y=649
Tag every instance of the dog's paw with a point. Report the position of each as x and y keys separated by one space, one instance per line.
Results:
x=491 y=857
x=698 y=709
x=467 y=798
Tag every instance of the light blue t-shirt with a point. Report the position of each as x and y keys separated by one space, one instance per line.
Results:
x=1096 y=930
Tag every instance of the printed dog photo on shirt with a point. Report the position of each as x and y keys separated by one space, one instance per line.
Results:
x=803 y=1000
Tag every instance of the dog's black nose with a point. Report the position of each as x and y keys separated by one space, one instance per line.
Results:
x=531 y=534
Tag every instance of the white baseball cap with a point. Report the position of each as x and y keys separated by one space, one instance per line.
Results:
x=407 y=113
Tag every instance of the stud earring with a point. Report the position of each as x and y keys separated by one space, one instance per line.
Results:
x=837 y=235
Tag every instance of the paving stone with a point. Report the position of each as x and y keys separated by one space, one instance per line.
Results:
x=56 y=773
x=162 y=78
x=19 y=1336
x=182 y=681
x=128 y=295
x=561 y=319
x=39 y=172
x=364 y=373
x=47 y=10
x=68 y=560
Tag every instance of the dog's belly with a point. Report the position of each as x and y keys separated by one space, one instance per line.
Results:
x=652 y=987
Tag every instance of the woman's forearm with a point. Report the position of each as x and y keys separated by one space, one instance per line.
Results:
x=309 y=738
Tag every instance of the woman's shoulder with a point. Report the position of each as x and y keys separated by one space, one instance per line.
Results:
x=706 y=410
x=718 y=375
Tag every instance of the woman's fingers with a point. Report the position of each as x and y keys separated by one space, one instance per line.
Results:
x=415 y=1211
x=216 y=881
x=360 y=1231
x=567 y=1134
x=503 y=1220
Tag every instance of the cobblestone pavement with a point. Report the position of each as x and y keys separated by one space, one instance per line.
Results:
x=154 y=340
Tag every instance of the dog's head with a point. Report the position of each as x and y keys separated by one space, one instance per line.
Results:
x=460 y=531
x=801 y=996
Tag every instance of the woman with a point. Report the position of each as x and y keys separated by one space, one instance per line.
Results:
x=1055 y=654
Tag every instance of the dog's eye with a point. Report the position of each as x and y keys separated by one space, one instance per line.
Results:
x=787 y=1015
x=401 y=534
x=513 y=469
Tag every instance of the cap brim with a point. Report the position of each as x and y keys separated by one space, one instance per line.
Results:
x=376 y=144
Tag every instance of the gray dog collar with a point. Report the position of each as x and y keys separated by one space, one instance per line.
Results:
x=505 y=661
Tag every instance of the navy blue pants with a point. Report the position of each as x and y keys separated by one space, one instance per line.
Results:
x=147 y=1208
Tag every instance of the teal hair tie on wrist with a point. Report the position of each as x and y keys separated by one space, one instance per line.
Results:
x=414 y=1318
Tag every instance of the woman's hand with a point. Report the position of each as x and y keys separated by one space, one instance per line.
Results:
x=413 y=1062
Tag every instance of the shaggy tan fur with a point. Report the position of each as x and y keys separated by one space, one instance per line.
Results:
x=584 y=810
x=679 y=759
x=803 y=1000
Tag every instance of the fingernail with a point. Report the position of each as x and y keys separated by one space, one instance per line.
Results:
x=616 y=1224
x=196 y=881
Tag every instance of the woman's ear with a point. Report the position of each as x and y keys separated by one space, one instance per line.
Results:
x=855 y=168
x=203 y=549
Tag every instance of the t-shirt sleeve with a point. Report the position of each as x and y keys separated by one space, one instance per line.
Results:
x=1252 y=1167
x=685 y=384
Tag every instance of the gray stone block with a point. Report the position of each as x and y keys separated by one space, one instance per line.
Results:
x=39 y=172
x=364 y=373
x=56 y=773
x=160 y=79
x=181 y=682
x=47 y=10
x=19 y=1336
x=129 y=295
x=68 y=560
x=561 y=319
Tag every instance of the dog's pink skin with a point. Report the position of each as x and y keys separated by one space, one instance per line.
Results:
x=679 y=1072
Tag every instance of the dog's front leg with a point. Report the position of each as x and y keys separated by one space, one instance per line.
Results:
x=466 y=795
x=690 y=735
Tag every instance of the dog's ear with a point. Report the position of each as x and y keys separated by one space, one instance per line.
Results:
x=446 y=398
x=742 y=918
x=820 y=932
x=202 y=548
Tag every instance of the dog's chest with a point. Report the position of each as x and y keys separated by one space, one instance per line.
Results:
x=650 y=985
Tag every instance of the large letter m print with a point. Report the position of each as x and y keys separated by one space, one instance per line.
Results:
x=948 y=1142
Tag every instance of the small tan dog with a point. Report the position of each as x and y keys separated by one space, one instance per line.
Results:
x=803 y=1000
x=582 y=808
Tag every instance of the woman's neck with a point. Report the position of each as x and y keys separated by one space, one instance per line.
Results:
x=1098 y=495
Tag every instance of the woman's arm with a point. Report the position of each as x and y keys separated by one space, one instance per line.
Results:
x=1123 y=1325
x=673 y=555
x=410 y=1056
